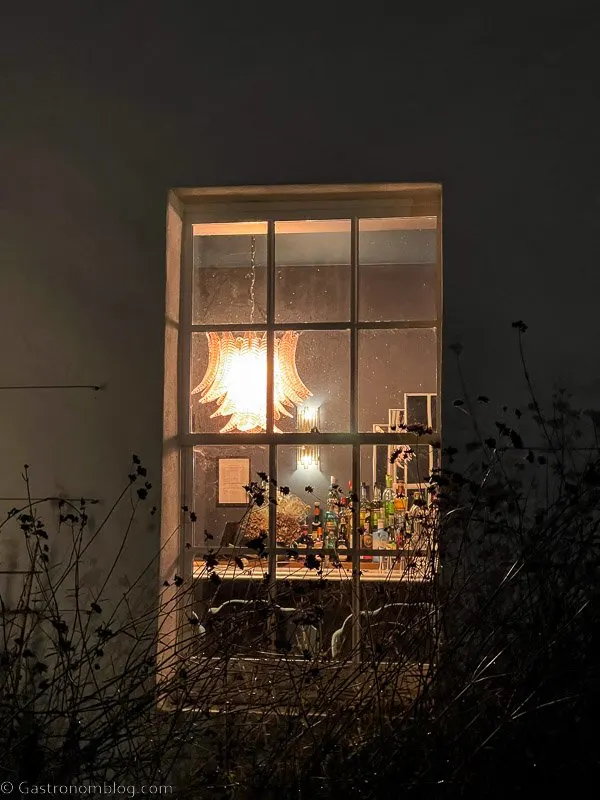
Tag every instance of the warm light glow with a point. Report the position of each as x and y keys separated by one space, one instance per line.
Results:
x=307 y=420
x=236 y=379
x=308 y=456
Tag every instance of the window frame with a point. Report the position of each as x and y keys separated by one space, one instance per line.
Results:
x=281 y=204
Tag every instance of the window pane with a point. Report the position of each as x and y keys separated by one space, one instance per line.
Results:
x=230 y=595
x=220 y=502
x=301 y=513
x=314 y=575
x=312 y=282
x=227 y=288
x=397 y=273
x=396 y=520
x=393 y=363
x=322 y=360
x=229 y=382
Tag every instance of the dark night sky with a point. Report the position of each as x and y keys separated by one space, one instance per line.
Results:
x=103 y=110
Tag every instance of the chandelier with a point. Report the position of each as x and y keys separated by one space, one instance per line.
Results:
x=236 y=379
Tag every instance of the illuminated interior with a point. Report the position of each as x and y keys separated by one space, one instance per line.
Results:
x=355 y=331
x=236 y=379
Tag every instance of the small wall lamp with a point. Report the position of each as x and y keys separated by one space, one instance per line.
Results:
x=307 y=420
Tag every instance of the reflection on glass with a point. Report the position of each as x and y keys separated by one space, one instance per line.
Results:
x=229 y=273
x=397 y=273
x=393 y=363
x=312 y=282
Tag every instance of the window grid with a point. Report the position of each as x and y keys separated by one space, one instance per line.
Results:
x=272 y=440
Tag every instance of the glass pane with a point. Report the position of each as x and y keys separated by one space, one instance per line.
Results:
x=416 y=470
x=396 y=520
x=393 y=363
x=312 y=282
x=397 y=273
x=322 y=364
x=229 y=273
x=231 y=595
x=313 y=512
x=220 y=502
x=227 y=561
x=314 y=528
x=229 y=382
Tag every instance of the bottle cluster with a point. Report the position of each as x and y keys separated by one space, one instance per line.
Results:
x=384 y=521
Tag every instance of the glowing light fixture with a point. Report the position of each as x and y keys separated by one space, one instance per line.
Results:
x=236 y=379
x=307 y=421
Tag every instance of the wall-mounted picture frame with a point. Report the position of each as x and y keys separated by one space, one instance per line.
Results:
x=232 y=475
x=421 y=409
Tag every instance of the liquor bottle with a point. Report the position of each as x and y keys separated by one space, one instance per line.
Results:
x=317 y=520
x=376 y=507
x=319 y=538
x=334 y=490
x=388 y=502
x=379 y=539
x=349 y=516
x=365 y=537
x=399 y=498
x=330 y=541
x=332 y=515
x=399 y=526
x=367 y=540
x=364 y=504
x=414 y=522
x=303 y=541
x=342 y=536
x=344 y=522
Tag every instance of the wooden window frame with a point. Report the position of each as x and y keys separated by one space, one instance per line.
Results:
x=272 y=204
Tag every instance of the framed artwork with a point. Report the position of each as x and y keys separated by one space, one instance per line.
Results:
x=232 y=475
x=421 y=409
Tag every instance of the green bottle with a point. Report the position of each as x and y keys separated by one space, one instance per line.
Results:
x=332 y=514
x=376 y=508
x=388 y=502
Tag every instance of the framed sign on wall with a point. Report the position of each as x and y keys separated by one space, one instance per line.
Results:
x=232 y=475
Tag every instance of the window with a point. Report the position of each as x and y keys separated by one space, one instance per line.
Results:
x=303 y=336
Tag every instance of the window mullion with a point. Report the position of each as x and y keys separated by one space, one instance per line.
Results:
x=354 y=430
x=272 y=563
x=185 y=332
x=353 y=327
x=186 y=454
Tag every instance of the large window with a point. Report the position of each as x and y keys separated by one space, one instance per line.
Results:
x=308 y=374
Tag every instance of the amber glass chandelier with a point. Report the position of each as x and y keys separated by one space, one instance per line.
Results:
x=236 y=376
x=236 y=379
